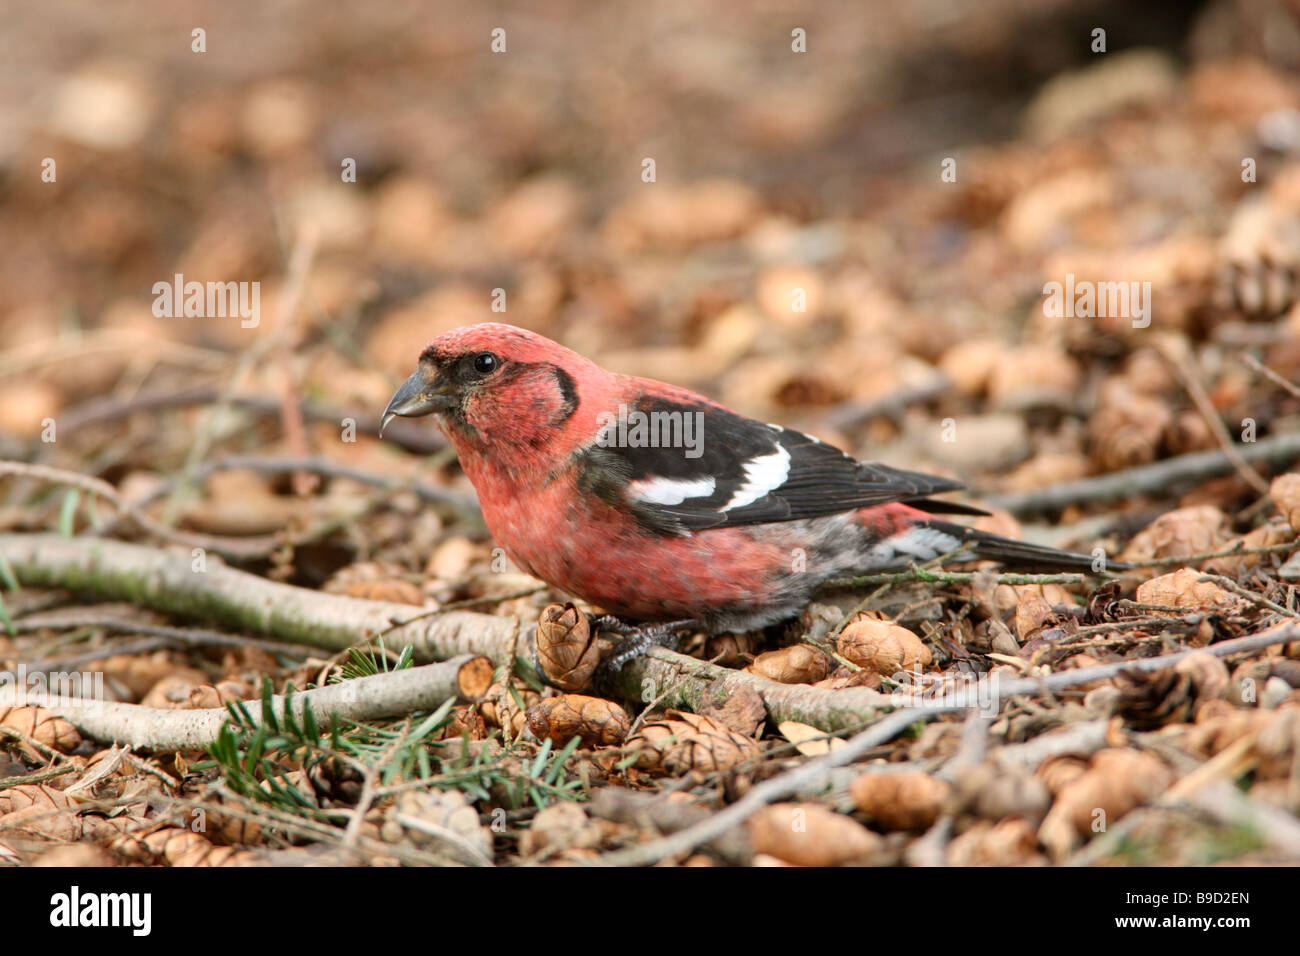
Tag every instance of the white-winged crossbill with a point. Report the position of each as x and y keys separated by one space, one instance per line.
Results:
x=658 y=504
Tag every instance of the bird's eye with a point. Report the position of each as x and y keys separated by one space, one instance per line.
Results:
x=485 y=363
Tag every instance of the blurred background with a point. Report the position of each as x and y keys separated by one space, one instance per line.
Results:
x=778 y=175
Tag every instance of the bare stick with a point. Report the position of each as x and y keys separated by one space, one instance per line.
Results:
x=366 y=698
x=666 y=816
x=892 y=405
x=326 y=467
x=299 y=264
x=1186 y=560
x=411 y=434
x=178 y=583
x=1229 y=805
x=1083 y=739
x=25 y=358
x=286 y=334
x=1257 y=599
x=160 y=636
x=37 y=776
x=678 y=681
x=1162 y=478
x=236 y=547
x=955 y=577
x=1210 y=414
x=1269 y=374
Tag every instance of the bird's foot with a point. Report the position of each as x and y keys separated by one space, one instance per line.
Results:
x=637 y=639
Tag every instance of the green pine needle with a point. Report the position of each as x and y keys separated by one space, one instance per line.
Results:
x=68 y=512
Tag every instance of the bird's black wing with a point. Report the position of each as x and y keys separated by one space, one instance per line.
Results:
x=682 y=467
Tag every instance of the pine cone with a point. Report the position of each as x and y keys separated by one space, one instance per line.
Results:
x=1259 y=290
x=1103 y=604
x=1148 y=701
x=337 y=782
x=1127 y=433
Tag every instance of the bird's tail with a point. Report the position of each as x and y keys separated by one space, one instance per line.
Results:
x=905 y=536
x=1023 y=555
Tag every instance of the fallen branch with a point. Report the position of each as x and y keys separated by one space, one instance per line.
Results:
x=1205 y=406
x=159 y=635
x=1162 y=478
x=366 y=698
x=667 y=816
x=1081 y=739
x=37 y=776
x=1269 y=374
x=463 y=504
x=1221 y=800
x=410 y=434
x=236 y=547
x=686 y=683
x=1209 y=790
x=304 y=250
x=892 y=405
x=284 y=335
x=88 y=346
x=167 y=580
x=1253 y=597
x=923 y=576
x=1236 y=551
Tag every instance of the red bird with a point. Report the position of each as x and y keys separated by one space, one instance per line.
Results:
x=660 y=505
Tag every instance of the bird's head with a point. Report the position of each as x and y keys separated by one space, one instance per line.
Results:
x=492 y=384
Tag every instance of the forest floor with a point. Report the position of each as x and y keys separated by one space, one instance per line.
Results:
x=197 y=511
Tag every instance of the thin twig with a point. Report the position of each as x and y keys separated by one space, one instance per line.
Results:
x=862 y=605
x=858 y=608
x=162 y=635
x=1229 y=805
x=463 y=503
x=955 y=577
x=1210 y=414
x=391 y=694
x=46 y=751
x=286 y=334
x=1249 y=595
x=462 y=606
x=1269 y=374
x=892 y=405
x=1236 y=551
x=20 y=359
x=645 y=711
x=1163 y=478
x=409 y=434
x=236 y=547
x=471 y=854
x=37 y=776
x=369 y=781
x=299 y=264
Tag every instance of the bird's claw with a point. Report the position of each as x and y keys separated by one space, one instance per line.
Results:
x=637 y=639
